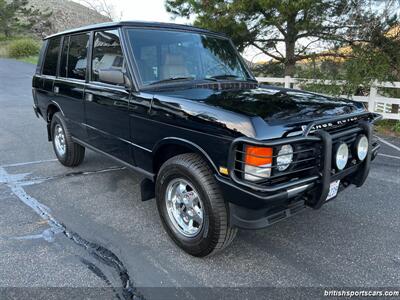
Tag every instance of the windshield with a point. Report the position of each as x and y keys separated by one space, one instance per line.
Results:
x=164 y=56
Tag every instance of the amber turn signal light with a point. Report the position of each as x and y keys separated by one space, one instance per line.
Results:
x=258 y=161
x=258 y=156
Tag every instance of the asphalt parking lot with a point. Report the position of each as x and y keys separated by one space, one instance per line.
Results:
x=87 y=227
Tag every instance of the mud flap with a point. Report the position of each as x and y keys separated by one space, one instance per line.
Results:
x=147 y=189
x=49 y=131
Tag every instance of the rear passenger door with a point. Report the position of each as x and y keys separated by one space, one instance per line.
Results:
x=70 y=84
x=43 y=82
x=107 y=97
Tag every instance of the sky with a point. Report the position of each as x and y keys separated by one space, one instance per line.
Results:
x=154 y=10
x=144 y=10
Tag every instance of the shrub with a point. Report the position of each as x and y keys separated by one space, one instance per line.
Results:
x=23 y=47
x=396 y=127
x=389 y=127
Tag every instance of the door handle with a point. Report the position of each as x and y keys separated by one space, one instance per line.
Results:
x=56 y=89
x=89 y=97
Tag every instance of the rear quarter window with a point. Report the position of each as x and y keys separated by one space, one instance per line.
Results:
x=41 y=58
x=51 y=58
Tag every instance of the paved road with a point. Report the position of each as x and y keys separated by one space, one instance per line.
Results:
x=86 y=227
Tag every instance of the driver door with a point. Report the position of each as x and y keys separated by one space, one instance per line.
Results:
x=107 y=98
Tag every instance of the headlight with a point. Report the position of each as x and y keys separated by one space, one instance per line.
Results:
x=258 y=161
x=342 y=155
x=285 y=157
x=362 y=147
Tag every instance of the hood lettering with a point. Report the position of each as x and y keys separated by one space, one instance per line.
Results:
x=330 y=125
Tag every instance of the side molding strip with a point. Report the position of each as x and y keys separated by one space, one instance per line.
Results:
x=121 y=139
x=147 y=174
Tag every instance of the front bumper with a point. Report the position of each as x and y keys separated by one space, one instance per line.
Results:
x=254 y=207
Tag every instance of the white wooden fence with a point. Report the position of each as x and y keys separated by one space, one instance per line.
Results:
x=388 y=107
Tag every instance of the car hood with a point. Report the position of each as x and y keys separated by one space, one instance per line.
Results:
x=274 y=105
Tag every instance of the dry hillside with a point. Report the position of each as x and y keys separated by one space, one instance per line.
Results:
x=66 y=15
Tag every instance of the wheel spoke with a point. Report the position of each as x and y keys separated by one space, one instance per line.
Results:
x=181 y=190
x=198 y=215
x=190 y=225
x=197 y=219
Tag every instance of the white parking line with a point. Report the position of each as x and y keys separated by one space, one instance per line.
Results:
x=100 y=253
x=28 y=163
x=390 y=156
x=13 y=182
x=17 y=182
x=389 y=144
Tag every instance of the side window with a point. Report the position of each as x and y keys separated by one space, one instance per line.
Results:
x=76 y=60
x=50 y=61
x=41 y=57
x=107 y=60
x=64 y=58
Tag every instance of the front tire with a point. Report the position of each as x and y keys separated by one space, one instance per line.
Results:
x=68 y=152
x=191 y=207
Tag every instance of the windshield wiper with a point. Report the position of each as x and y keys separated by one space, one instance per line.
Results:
x=172 y=79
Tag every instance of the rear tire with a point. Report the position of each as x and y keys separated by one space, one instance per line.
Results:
x=187 y=177
x=68 y=152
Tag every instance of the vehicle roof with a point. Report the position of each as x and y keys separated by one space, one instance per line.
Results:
x=134 y=24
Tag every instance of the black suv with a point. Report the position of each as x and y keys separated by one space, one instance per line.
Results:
x=218 y=151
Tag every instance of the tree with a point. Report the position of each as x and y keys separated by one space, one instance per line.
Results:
x=16 y=17
x=285 y=30
x=378 y=59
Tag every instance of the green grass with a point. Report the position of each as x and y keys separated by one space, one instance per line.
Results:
x=29 y=59
x=388 y=127
x=4 y=48
x=4 y=44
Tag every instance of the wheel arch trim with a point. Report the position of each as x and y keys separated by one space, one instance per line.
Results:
x=186 y=143
x=52 y=102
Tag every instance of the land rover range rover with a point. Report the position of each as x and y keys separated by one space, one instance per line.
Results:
x=217 y=150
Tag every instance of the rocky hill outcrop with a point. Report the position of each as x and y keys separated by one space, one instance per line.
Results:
x=65 y=15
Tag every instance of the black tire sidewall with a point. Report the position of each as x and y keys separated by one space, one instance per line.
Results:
x=203 y=240
x=58 y=120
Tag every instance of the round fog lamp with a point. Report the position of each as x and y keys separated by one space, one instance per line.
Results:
x=342 y=155
x=362 y=147
x=285 y=157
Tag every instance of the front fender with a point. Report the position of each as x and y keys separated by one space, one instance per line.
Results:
x=186 y=144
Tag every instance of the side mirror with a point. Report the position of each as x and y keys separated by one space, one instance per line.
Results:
x=127 y=82
x=114 y=76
